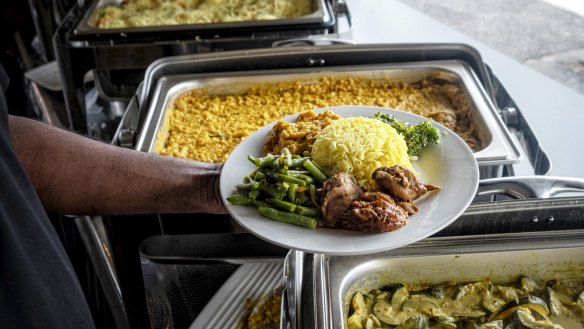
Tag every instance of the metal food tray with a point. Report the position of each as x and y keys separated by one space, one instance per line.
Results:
x=321 y=17
x=500 y=241
x=498 y=148
x=321 y=58
x=499 y=258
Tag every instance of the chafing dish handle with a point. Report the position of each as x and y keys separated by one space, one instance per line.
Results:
x=303 y=42
x=530 y=187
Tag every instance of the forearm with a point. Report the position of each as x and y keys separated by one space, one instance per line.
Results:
x=76 y=175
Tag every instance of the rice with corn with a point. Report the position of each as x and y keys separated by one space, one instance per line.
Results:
x=358 y=146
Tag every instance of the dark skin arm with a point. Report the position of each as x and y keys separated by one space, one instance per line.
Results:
x=76 y=175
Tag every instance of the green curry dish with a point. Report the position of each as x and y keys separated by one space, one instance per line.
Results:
x=417 y=137
x=520 y=304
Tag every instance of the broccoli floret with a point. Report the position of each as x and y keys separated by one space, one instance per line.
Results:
x=417 y=137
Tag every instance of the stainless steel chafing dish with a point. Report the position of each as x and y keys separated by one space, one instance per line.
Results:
x=168 y=77
x=539 y=238
x=320 y=17
x=497 y=146
x=498 y=258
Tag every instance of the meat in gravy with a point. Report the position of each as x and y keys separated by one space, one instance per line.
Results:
x=345 y=205
x=337 y=194
x=400 y=182
x=374 y=212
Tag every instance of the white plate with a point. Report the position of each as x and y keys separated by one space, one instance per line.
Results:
x=450 y=165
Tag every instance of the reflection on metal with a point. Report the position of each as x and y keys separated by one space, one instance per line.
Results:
x=96 y=244
x=311 y=42
x=530 y=187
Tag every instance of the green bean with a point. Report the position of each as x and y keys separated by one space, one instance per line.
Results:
x=287 y=217
x=318 y=175
x=291 y=193
x=296 y=173
x=276 y=163
x=251 y=158
x=253 y=194
x=259 y=175
x=297 y=162
x=308 y=211
x=321 y=168
x=240 y=200
x=286 y=157
x=285 y=178
x=248 y=186
x=307 y=179
x=260 y=203
x=275 y=191
x=284 y=205
x=265 y=161
x=300 y=197
x=312 y=192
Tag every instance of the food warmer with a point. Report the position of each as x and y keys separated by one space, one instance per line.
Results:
x=198 y=270
x=108 y=64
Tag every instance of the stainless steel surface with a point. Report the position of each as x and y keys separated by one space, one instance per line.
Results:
x=321 y=17
x=522 y=131
x=530 y=187
x=294 y=281
x=314 y=41
x=519 y=215
x=500 y=258
x=498 y=147
x=98 y=248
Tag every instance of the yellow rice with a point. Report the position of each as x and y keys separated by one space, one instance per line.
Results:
x=358 y=146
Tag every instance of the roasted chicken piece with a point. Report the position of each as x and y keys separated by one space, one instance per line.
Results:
x=337 y=194
x=374 y=212
x=401 y=183
x=408 y=206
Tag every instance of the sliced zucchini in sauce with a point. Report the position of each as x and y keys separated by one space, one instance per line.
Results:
x=415 y=322
x=399 y=297
x=423 y=304
x=525 y=318
x=498 y=324
x=530 y=302
x=385 y=313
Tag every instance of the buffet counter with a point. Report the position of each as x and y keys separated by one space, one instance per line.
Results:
x=541 y=115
